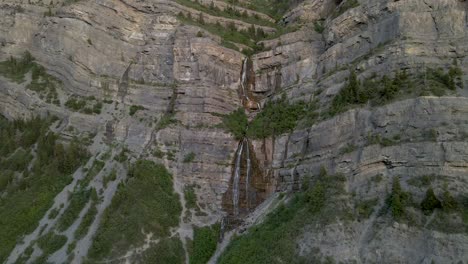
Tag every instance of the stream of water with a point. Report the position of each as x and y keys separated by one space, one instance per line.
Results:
x=236 y=180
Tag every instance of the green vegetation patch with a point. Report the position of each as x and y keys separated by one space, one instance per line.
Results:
x=274 y=241
x=26 y=200
x=41 y=82
x=87 y=105
x=190 y=197
x=135 y=108
x=385 y=90
x=276 y=118
x=168 y=250
x=88 y=219
x=78 y=200
x=205 y=240
x=273 y=8
x=281 y=116
x=236 y=123
x=15 y=69
x=51 y=242
x=229 y=34
x=145 y=203
x=190 y=157
x=229 y=12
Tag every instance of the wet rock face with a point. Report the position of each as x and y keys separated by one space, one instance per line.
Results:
x=249 y=185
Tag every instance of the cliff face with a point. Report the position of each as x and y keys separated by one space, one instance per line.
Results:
x=165 y=75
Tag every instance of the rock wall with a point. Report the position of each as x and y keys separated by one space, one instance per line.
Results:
x=135 y=53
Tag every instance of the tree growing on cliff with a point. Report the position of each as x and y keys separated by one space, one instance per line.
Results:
x=430 y=202
x=397 y=200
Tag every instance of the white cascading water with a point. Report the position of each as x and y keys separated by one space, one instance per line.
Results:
x=247 y=177
x=236 y=180
x=244 y=80
x=222 y=229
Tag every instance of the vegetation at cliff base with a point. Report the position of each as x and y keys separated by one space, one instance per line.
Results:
x=167 y=250
x=205 y=240
x=145 y=203
x=78 y=199
x=274 y=240
x=28 y=188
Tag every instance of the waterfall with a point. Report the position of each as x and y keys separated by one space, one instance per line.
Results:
x=244 y=80
x=236 y=180
x=247 y=177
x=222 y=229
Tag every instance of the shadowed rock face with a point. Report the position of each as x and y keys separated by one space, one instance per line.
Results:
x=137 y=53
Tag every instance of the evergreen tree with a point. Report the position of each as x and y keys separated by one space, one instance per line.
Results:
x=430 y=202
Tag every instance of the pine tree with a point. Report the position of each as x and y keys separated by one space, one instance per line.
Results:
x=430 y=202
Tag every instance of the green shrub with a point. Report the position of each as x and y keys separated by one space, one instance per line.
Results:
x=430 y=202
x=6 y=177
x=135 y=108
x=236 y=123
x=75 y=104
x=279 y=117
x=318 y=27
x=348 y=149
x=190 y=197
x=88 y=219
x=78 y=200
x=168 y=250
x=112 y=176
x=122 y=156
x=51 y=242
x=166 y=120
x=189 y=157
x=366 y=207
x=448 y=202
x=398 y=200
x=384 y=90
x=97 y=107
x=19 y=161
